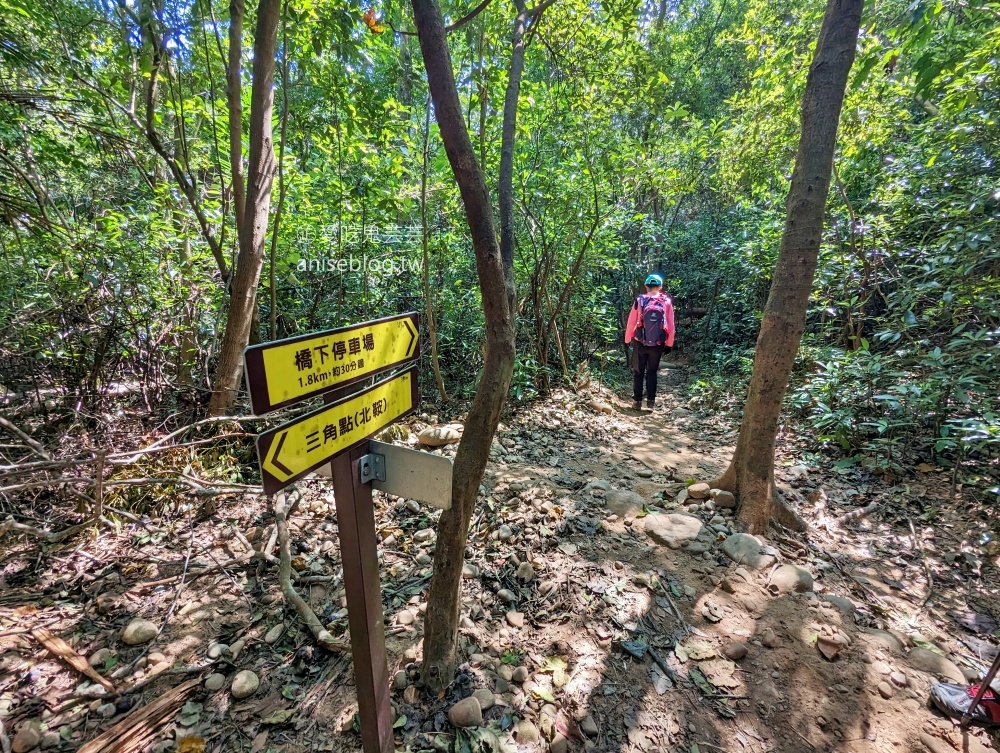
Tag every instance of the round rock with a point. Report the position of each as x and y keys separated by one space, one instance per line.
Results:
x=245 y=684
x=723 y=500
x=769 y=638
x=274 y=634
x=99 y=657
x=26 y=738
x=139 y=631
x=744 y=549
x=520 y=674
x=466 y=713
x=525 y=732
x=699 y=491
x=525 y=573
x=485 y=697
x=791 y=579
x=927 y=661
x=735 y=651
x=624 y=504
x=439 y=436
x=215 y=681
x=515 y=619
x=672 y=529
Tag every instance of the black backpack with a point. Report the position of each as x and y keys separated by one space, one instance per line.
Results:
x=652 y=329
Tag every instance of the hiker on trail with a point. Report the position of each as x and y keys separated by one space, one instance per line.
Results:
x=650 y=331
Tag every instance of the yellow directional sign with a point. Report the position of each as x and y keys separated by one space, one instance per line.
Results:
x=284 y=372
x=289 y=452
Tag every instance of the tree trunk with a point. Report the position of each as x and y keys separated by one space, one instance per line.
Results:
x=250 y=260
x=496 y=283
x=751 y=473
x=234 y=100
x=424 y=233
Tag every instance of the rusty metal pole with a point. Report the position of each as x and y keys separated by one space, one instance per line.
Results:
x=359 y=552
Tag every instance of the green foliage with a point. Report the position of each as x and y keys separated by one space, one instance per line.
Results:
x=650 y=137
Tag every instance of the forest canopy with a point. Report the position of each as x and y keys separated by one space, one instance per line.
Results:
x=652 y=136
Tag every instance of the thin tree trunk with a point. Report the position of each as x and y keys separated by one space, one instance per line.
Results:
x=242 y=304
x=751 y=473
x=282 y=187
x=508 y=134
x=234 y=99
x=431 y=324
x=496 y=284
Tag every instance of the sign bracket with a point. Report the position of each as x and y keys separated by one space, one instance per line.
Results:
x=371 y=467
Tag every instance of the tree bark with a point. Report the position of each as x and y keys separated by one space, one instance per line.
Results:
x=751 y=473
x=262 y=165
x=496 y=283
x=234 y=100
x=424 y=234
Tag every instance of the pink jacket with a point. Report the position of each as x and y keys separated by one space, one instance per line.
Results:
x=635 y=317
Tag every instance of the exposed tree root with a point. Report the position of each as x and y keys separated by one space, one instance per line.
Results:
x=51 y=537
x=323 y=636
x=780 y=512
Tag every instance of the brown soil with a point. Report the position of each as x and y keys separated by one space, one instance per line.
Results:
x=598 y=580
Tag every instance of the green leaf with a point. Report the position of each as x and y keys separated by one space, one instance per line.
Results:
x=544 y=694
x=279 y=717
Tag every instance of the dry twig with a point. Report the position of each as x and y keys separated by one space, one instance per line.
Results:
x=323 y=636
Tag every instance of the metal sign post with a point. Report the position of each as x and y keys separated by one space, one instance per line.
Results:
x=359 y=554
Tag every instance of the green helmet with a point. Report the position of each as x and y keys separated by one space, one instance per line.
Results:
x=654 y=279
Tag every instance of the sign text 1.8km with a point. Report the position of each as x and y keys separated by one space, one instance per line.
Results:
x=284 y=372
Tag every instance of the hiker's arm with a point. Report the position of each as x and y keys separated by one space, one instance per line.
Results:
x=670 y=323
x=633 y=321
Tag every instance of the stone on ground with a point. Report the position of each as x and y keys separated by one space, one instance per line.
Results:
x=769 y=638
x=525 y=572
x=245 y=684
x=26 y=738
x=723 y=500
x=624 y=504
x=672 y=529
x=215 y=681
x=466 y=713
x=139 y=631
x=274 y=634
x=485 y=697
x=525 y=732
x=925 y=660
x=438 y=436
x=744 y=549
x=699 y=491
x=735 y=651
x=791 y=579
x=99 y=657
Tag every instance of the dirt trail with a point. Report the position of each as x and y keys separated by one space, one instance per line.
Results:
x=601 y=610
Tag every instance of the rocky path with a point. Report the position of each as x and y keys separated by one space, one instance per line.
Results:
x=608 y=606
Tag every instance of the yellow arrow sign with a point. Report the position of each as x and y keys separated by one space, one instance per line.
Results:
x=289 y=452
x=287 y=371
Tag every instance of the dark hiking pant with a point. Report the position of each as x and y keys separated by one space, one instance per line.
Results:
x=645 y=362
